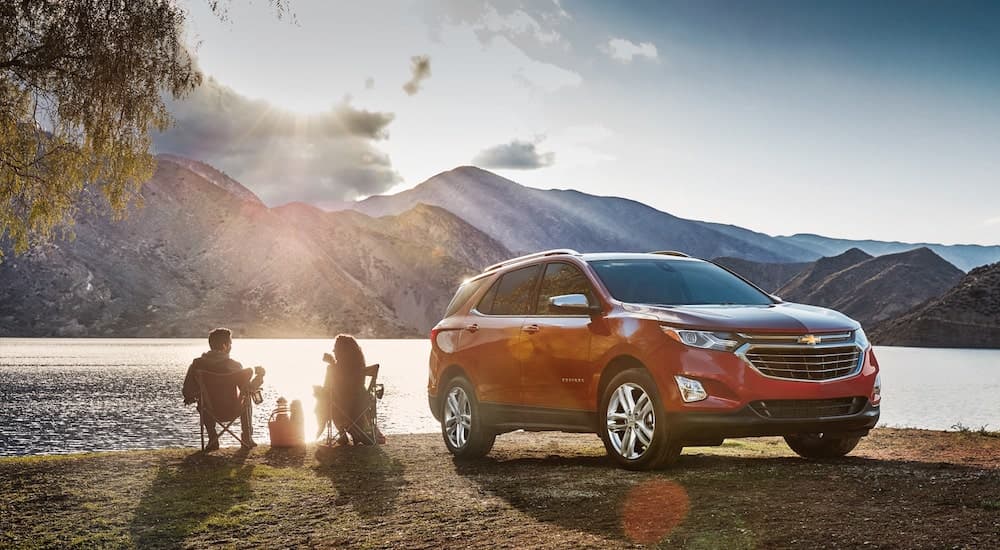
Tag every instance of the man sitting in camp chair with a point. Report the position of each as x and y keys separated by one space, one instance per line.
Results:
x=209 y=375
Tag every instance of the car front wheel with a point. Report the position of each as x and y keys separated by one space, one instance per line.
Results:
x=465 y=433
x=822 y=445
x=635 y=429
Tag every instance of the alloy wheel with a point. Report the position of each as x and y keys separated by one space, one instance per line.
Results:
x=631 y=421
x=457 y=417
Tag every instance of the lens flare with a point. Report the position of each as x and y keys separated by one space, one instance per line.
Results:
x=653 y=509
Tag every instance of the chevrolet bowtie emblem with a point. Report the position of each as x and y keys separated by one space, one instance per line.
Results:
x=810 y=339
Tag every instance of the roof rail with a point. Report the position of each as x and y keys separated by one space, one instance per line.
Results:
x=670 y=253
x=553 y=252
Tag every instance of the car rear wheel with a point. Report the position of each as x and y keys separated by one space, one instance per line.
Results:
x=462 y=426
x=635 y=431
x=821 y=445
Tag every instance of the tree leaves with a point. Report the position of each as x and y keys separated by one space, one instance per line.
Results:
x=80 y=89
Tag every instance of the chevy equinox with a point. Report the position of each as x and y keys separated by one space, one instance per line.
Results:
x=653 y=352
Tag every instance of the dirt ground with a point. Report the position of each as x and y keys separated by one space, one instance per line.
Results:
x=899 y=489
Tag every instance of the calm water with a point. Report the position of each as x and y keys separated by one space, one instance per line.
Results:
x=65 y=395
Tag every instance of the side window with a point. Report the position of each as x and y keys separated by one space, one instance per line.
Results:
x=486 y=302
x=561 y=278
x=514 y=290
x=462 y=295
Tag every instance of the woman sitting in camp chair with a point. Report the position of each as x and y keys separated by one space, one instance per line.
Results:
x=344 y=400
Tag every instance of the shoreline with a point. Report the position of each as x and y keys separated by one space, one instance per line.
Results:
x=201 y=337
x=900 y=488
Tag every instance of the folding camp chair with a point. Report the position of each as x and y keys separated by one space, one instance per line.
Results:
x=222 y=400
x=364 y=426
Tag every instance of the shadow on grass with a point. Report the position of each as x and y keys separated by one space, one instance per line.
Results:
x=190 y=496
x=364 y=477
x=713 y=501
x=285 y=457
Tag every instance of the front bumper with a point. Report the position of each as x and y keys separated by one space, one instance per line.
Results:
x=711 y=427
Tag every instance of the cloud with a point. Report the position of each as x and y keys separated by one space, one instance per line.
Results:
x=521 y=21
x=992 y=221
x=420 y=65
x=282 y=156
x=624 y=50
x=516 y=155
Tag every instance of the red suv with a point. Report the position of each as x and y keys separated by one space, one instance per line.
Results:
x=653 y=352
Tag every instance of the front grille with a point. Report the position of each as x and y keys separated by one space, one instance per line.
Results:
x=808 y=408
x=805 y=362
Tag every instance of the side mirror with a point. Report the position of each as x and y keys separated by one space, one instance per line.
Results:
x=573 y=304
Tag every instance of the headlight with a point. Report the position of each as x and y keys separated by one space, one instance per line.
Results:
x=719 y=341
x=861 y=339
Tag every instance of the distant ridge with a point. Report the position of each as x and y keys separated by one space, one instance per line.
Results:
x=962 y=256
x=872 y=290
x=526 y=219
x=966 y=316
x=210 y=174
x=769 y=277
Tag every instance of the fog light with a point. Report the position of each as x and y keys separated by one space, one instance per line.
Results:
x=877 y=390
x=691 y=390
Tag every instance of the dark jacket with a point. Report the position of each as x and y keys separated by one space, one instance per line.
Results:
x=211 y=361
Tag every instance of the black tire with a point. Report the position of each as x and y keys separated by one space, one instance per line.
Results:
x=479 y=437
x=822 y=445
x=661 y=450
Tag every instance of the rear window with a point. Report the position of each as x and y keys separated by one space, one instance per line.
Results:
x=462 y=295
x=672 y=282
x=511 y=294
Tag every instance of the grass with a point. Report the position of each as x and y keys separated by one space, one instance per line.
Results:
x=534 y=490
x=982 y=431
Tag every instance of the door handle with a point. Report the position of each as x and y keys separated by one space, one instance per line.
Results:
x=472 y=328
x=530 y=329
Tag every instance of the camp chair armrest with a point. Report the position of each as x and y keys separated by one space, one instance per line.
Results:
x=372 y=371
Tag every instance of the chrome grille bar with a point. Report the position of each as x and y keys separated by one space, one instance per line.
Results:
x=780 y=356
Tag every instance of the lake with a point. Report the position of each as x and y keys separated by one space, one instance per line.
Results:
x=70 y=395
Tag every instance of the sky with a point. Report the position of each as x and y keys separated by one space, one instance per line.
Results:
x=849 y=119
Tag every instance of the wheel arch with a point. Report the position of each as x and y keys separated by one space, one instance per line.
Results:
x=450 y=372
x=619 y=364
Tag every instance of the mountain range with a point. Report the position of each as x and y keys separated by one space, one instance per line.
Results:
x=869 y=289
x=205 y=251
x=526 y=219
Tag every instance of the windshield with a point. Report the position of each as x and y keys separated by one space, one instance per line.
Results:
x=675 y=283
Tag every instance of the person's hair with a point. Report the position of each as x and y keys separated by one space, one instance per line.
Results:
x=348 y=353
x=218 y=338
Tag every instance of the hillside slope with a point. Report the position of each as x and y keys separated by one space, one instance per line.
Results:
x=966 y=316
x=525 y=219
x=872 y=290
x=767 y=276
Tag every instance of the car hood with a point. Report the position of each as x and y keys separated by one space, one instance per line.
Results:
x=780 y=318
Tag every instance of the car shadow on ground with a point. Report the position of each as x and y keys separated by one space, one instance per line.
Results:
x=184 y=496
x=364 y=476
x=707 y=500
